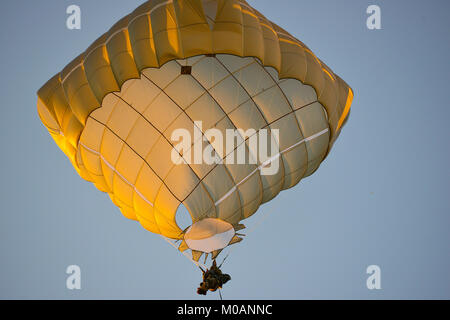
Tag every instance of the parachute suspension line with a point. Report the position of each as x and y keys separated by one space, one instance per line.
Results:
x=257 y=224
x=224 y=259
x=250 y=230
x=198 y=264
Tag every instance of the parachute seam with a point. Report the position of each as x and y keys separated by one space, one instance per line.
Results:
x=285 y=150
x=248 y=100
x=203 y=136
x=143 y=164
x=178 y=28
x=296 y=119
x=90 y=173
x=183 y=111
x=226 y=116
x=257 y=107
x=219 y=82
x=161 y=135
x=123 y=147
x=111 y=187
x=121 y=176
x=207 y=93
x=267 y=124
x=112 y=131
x=118 y=173
x=148 y=121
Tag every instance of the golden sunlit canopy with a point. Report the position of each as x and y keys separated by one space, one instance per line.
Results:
x=169 y=63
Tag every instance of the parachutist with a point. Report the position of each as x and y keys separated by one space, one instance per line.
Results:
x=213 y=279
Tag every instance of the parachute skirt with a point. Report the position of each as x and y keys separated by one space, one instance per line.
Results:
x=113 y=109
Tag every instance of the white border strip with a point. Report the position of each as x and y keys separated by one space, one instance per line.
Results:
x=234 y=188
x=117 y=172
x=265 y=163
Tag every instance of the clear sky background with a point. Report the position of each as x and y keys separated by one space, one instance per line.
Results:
x=381 y=197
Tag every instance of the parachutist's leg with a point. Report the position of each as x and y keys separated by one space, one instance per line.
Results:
x=202 y=289
x=225 y=278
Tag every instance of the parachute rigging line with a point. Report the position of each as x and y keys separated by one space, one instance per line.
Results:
x=198 y=264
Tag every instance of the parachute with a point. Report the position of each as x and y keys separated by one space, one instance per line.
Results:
x=167 y=65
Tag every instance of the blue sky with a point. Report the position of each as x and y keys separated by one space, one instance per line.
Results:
x=380 y=198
